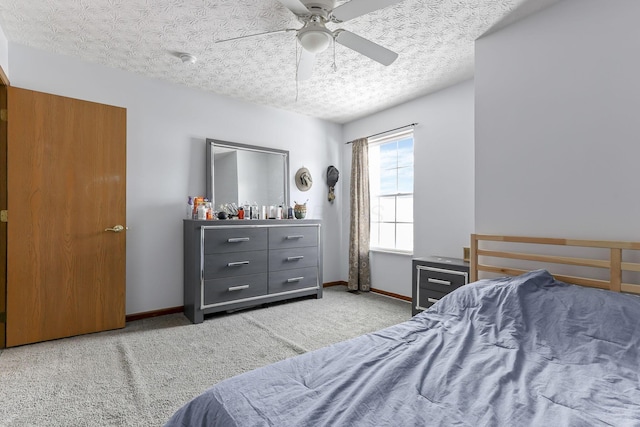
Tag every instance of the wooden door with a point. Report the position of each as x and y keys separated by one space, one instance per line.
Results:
x=3 y=204
x=66 y=186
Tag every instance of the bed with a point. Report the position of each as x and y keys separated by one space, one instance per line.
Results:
x=524 y=348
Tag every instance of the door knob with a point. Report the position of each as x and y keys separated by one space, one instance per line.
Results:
x=117 y=228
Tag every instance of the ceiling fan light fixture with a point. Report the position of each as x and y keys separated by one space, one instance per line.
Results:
x=315 y=38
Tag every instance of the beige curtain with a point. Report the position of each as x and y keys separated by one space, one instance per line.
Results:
x=359 y=267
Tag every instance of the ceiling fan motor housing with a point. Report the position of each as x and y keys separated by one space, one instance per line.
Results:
x=320 y=7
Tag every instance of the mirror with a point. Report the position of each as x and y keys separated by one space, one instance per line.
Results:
x=240 y=173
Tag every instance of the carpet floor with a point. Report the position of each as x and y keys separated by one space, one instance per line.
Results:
x=140 y=375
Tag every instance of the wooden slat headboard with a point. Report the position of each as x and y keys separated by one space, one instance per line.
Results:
x=614 y=264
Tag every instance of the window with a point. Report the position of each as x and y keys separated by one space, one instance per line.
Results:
x=391 y=192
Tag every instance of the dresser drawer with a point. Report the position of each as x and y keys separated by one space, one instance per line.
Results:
x=234 y=264
x=440 y=280
x=292 y=237
x=224 y=240
x=234 y=288
x=426 y=297
x=289 y=280
x=285 y=259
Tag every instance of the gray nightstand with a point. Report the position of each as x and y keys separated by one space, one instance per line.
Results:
x=434 y=277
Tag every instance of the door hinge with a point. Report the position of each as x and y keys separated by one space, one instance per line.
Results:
x=4 y=114
x=4 y=216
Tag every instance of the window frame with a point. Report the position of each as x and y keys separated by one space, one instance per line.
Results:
x=373 y=142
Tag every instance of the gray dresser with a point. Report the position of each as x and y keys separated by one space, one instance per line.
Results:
x=232 y=264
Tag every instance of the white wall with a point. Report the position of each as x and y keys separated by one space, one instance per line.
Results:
x=557 y=128
x=4 y=52
x=166 y=130
x=444 y=177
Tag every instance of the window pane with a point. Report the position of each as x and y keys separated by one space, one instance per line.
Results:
x=389 y=155
x=387 y=209
x=405 y=180
x=404 y=238
x=388 y=181
x=405 y=152
x=405 y=209
x=387 y=236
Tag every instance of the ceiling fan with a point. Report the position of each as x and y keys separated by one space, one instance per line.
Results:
x=315 y=37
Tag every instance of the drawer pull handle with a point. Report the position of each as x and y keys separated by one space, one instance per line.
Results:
x=299 y=236
x=439 y=282
x=432 y=300
x=238 y=288
x=295 y=279
x=295 y=258
x=238 y=239
x=235 y=264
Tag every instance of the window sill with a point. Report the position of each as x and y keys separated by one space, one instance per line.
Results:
x=391 y=251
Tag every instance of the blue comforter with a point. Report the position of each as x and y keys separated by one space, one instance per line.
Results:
x=524 y=351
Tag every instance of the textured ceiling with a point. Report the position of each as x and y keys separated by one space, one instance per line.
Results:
x=434 y=40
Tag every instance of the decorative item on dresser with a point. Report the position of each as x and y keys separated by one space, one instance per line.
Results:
x=230 y=265
x=434 y=277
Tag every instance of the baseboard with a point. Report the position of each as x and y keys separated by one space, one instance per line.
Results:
x=174 y=310
x=377 y=291
x=330 y=284
x=154 y=313
x=391 y=294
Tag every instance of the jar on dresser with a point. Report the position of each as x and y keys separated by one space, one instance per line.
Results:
x=233 y=264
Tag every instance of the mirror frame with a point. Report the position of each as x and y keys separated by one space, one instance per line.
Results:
x=212 y=143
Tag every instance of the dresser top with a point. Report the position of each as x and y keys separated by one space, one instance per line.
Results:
x=245 y=222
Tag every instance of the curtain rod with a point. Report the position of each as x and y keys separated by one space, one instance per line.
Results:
x=387 y=131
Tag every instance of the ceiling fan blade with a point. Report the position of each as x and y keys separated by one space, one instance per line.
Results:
x=295 y=6
x=257 y=34
x=356 y=8
x=366 y=47
x=307 y=61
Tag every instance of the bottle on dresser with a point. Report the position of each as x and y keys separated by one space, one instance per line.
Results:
x=202 y=211
x=189 y=208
